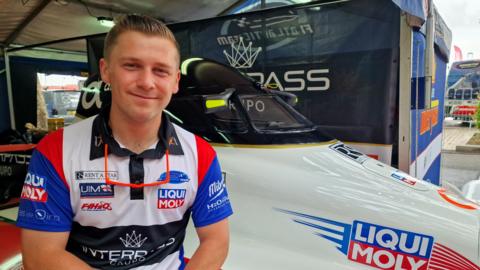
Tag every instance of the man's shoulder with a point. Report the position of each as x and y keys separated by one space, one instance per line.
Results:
x=200 y=143
x=55 y=138
x=81 y=124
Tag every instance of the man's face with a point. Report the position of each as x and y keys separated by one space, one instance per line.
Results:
x=143 y=73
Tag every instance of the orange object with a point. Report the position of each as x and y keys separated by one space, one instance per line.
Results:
x=16 y=147
x=112 y=182
x=429 y=119
x=443 y=193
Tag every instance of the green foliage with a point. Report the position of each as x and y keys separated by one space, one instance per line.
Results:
x=476 y=118
x=477 y=115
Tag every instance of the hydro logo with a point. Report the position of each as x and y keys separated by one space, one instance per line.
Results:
x=171 y=198
x=96 y=190
x=384 y=247
x=176 y=177
x=34 y=188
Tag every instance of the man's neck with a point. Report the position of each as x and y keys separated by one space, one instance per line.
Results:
x=135 y=136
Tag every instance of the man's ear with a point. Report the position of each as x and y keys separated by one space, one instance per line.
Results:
x=103 y=65
x=177 y=82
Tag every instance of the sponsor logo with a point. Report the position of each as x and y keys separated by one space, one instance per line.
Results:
x=88 y=100
x=349 y=152
x=249 y=104
x=6 y=171
x=170 y=198
x=388 y=248
x=294 y=79
x=98 y=141
x=15 y=158
x=219 y=203
x=404 y=178
x=133 y=253
x=34 y=188
x=39 y=214
x=95 y=175
x=176 y=177
x=216 y=188
x=383 y=247
x=279 y=31
x=96 y=206
x=217 y=194
x=96 y=190
x=242 y=56
x=132 y=240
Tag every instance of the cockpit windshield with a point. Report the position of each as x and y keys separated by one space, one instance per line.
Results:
x=267 y=113
x=248 y=114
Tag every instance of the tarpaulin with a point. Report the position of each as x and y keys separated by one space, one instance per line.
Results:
x=4 y=112
x=416 y=8
x=341 y=60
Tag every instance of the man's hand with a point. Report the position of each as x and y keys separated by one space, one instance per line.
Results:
x=46 y=250
x=213 y=248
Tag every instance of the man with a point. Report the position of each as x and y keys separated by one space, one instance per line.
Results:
x=115 y=191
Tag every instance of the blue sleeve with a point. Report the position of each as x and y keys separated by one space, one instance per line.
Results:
x=45 y=199
x=211 y=203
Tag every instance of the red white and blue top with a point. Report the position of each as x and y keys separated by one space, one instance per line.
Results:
x=119 y=227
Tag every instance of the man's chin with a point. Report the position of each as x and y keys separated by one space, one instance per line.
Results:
x=145 y=117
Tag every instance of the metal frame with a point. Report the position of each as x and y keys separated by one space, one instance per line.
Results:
x=404 y=89
x=9 y=90
x=14 y=34
x=429 y=55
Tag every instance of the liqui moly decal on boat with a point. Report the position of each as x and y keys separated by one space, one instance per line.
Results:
x=384 y=247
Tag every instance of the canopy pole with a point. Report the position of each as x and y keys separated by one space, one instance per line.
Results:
x=404 y=92
x=429 y=55
x=9 y=90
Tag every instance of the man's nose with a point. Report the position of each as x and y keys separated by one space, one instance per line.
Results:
x=146 y=79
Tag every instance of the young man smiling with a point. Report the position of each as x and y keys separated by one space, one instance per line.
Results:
x=115 y=191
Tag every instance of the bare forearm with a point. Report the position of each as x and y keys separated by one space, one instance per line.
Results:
x=54 y=260
x=210 y=255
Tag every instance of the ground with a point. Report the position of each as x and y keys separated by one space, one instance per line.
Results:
x=475 y=139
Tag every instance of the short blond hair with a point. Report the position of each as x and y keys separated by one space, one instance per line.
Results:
x=138 y=23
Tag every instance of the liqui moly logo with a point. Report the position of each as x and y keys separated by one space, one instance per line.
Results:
x=170 y=198
x=389 y=248
x=34 y=188
x=384 y=247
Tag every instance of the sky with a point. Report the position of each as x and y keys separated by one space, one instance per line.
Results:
x=463 y=19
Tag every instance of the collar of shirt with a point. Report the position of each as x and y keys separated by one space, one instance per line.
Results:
x=102 y=133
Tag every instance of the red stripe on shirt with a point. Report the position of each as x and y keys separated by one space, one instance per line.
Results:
x=205 y=154
x=51 y=146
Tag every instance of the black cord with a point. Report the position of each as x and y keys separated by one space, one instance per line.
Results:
x=86 y=7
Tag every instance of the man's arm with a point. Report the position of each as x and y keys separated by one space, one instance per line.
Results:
x=213 y=248
x=46 y=250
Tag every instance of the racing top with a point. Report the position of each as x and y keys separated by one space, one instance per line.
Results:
x=121 y=227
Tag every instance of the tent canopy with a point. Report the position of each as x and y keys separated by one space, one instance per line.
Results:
x=28 y=22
